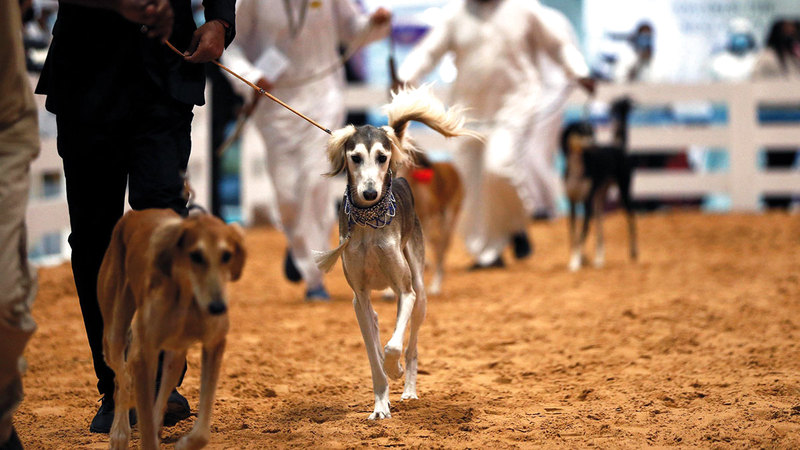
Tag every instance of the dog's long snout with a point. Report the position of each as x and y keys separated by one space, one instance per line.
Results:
x=217 y=307
x=370 y=194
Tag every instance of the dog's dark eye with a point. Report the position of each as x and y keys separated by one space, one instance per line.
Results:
x=356 y=159
x=226 y=256
x=197 y=257
x=381 y=159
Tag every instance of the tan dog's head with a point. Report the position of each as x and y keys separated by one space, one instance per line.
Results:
x=201 y=253
x=366 y=153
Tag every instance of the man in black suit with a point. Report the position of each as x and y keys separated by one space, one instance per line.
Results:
x=123 y=103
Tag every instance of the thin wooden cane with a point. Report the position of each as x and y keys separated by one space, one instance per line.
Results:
x=257 y=89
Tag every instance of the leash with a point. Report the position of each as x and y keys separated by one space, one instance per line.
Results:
x=257 y=89
x=357 y=45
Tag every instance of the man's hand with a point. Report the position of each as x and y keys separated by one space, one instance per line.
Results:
x=156 y=14
x=381 y=16
x=263 y=84
x=589 y=84
x=208 y=43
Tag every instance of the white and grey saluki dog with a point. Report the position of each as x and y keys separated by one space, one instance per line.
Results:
x=380 y=237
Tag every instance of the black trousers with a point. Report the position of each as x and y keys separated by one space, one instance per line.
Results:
x=149 y=151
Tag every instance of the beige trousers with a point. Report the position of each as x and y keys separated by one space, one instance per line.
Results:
x=19 y=146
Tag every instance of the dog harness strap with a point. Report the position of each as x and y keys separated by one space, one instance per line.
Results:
x=376 y=216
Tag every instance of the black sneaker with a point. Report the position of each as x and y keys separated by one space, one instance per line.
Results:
x=177 y=409
x=290 y=270
x=105 y=416
x=13 y=442
x=522 y=245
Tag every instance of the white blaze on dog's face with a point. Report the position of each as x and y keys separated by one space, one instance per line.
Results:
x=367 y=166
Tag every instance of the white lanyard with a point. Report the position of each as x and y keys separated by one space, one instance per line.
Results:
x=295 y=25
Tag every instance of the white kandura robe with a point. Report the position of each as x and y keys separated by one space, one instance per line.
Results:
x=496 y=47
x=295 y=149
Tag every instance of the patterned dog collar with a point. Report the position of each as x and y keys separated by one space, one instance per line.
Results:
x=376 y=216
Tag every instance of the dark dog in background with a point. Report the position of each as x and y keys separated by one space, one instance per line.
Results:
x=591 y=170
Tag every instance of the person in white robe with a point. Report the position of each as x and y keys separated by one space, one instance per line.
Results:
x=496 y=44
x=288 y=47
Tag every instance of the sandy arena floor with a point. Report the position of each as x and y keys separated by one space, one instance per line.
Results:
x=698 y=344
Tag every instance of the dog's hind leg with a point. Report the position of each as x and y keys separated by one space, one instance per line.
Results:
x=201 y=433
x=625 y=196
x=368 y=322
x=438 y=237
x=599 y=211
x=171 y=370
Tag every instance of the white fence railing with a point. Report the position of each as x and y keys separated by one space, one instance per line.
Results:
x=743 y=137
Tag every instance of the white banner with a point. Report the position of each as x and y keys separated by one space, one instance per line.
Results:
x=687 y=32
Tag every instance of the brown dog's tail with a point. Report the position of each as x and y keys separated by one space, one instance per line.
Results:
x=421 y=106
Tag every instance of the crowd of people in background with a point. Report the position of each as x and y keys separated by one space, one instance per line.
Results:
x=125 y=119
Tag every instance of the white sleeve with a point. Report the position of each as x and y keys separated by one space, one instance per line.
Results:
x=234 y=56
x=351 y=22
x=424 y=57
x=557 y=44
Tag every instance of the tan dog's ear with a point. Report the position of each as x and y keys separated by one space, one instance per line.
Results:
x=336 y=149
x=165 y=243
x=239 y=253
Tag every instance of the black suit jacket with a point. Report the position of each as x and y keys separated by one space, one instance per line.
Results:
x=98 y=61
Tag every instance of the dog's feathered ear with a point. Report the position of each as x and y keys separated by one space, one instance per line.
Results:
x=403 y=153
x=336 y=149
x=165 y=243
x=239 y=253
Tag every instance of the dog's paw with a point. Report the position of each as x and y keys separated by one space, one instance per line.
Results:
x=378 y=415
x=192 y=441
x=391 y=361
x=409 y=396
x=574 y=264
x=118 y=441
x=599 y=262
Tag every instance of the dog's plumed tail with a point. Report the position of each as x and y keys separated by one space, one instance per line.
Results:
x=326 y=260
x=420 y=105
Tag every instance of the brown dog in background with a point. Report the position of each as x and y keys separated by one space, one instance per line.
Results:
x=162 y=287
x=438 y=194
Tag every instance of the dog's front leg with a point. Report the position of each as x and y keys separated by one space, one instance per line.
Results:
x=121 y=427
x=200 y=434
x=368 y=322
x=574 y=245
x=144 y=363
x=396 y=268
x=170 y=375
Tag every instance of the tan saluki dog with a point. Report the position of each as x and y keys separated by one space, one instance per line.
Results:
x=380 y=236
x=438 y=195
x=161 y=288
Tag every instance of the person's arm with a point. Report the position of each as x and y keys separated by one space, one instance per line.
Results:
x=424 y=57
x=156 y=14
x=223 y=11
x=209 y=41
x=559 y=47
x=235 y=57
x=350 y=22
